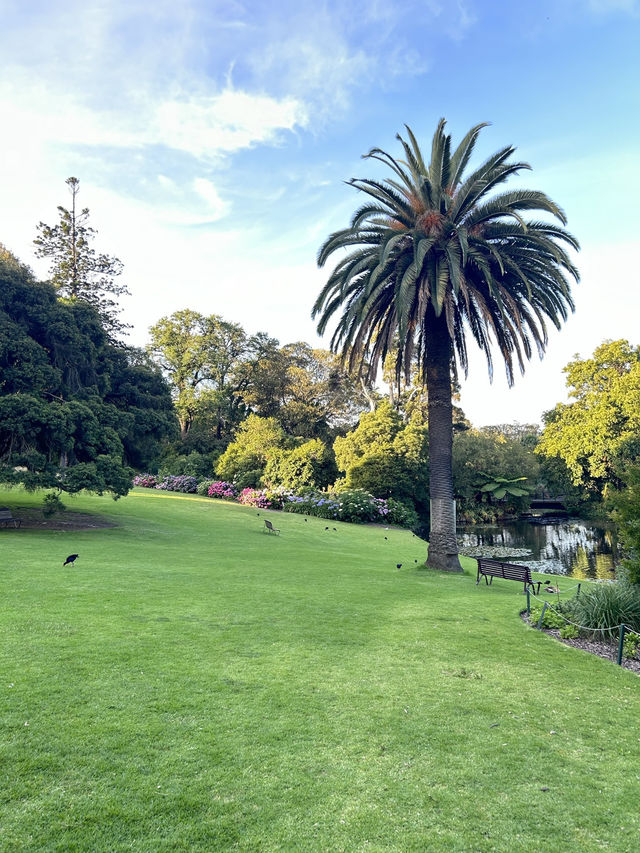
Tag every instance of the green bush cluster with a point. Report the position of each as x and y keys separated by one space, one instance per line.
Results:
x=600 y=608
x=631 y=646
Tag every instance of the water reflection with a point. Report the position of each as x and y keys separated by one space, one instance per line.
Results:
x=573 y=547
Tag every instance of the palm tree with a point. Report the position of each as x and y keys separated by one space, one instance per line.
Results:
x=431 y=255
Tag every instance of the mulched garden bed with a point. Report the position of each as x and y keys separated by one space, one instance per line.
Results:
x=601 y=648
x=32 y=519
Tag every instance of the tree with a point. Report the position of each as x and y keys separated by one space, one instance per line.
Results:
x=386 y=456
x=481 y=460
x=598 y=433
x=626 y=506
x=74 y=410
x=433 y=254
x=307 y=389
x=77 y=270
x=199 y=356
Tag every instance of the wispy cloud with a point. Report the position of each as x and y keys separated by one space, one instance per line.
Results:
x=206 y=126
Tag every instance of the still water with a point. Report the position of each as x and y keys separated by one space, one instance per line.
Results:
x=580 y=549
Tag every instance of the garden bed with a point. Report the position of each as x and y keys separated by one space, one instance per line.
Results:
x=606 y=649
x=32 y=519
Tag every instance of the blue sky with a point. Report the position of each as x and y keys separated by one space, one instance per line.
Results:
x=212 y=141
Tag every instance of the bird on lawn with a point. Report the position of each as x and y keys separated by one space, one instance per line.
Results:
x=70 y=559
x=398 y=565
x=326 y=528
x=386 y=537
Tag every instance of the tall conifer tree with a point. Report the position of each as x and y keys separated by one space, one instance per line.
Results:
x=77 y=270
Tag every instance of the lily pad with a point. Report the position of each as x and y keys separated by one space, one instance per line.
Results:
x=495 y=552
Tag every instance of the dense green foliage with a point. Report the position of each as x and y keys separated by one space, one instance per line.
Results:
x=626 y=512
x=434 y=254
x=386 y=457
x=245 y=459
x=598 y=433
x=481 y=457
x=309 y=465
x=193 y=684
x=219 y=375
x=75 y=410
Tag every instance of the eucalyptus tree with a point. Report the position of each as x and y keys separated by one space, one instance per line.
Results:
x=433 y=255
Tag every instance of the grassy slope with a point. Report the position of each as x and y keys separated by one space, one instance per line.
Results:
x=191 y=683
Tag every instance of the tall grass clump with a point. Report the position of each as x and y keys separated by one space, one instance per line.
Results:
x=605 y=606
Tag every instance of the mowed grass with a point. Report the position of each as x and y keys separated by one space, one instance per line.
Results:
x=194 y=684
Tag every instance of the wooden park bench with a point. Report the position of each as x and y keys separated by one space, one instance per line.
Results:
x=490 y=569
x=270 y=528
x=6 y=518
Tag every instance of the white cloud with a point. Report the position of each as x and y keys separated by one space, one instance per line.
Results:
x=217 y=207
x=207 y=126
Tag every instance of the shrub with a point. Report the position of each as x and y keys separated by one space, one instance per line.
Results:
x=631 y=645
x=401 y=514
x=147 y=481
x=554 y=618
x=569 y=632
x=194 y=464
x=254 y=497
x=203 y=487
x=607 y=605
x=181 y=483
x=356 y=505
x=52 y=504
x=221 y=489
x=248 y=480
x=318 y=504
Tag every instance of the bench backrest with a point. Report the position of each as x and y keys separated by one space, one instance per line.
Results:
x=5 y=514
x=510 y=571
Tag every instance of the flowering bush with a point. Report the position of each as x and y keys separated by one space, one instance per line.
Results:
x=254 y=497
x=353 y=505
x=181 y=483
x=147 y=481
x=220 y=489
x=358 y=506
x=319 y=504
x=401 y=514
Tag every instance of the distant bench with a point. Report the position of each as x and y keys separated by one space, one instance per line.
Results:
x=6 y=518
x=490 y=569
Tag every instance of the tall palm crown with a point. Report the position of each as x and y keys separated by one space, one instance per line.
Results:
x=436 y=253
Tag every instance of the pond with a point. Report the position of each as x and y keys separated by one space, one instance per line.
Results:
x=573 y=547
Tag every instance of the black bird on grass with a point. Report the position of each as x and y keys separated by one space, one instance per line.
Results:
x=398 y=565
x=70 y=559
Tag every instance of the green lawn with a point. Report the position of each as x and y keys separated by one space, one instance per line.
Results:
x=193 y=684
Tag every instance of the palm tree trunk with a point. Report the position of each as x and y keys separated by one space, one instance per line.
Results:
x=443 y=545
